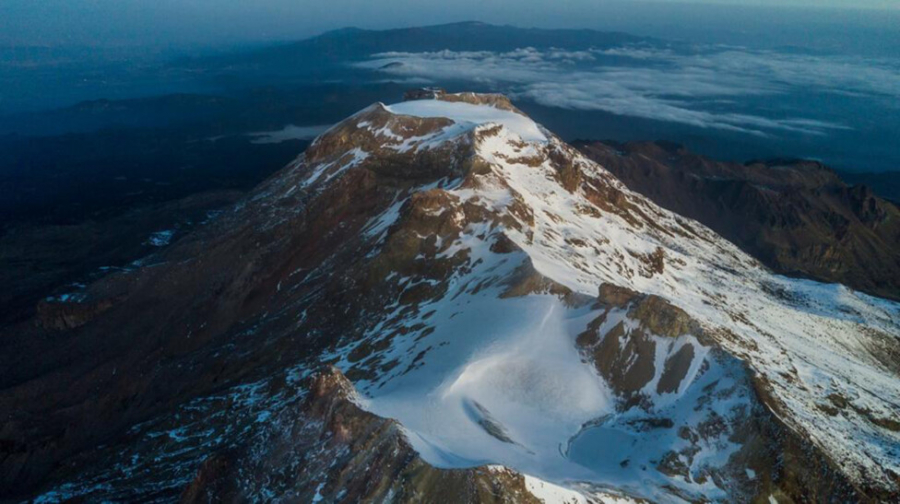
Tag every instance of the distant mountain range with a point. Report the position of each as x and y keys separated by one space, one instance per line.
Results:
x=353 y=44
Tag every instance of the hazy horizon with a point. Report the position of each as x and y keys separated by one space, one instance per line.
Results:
x=168 y=25
x=732 y=79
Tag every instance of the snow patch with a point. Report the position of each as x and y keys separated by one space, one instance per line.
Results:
x=549 y=493
x=161 y=238
x=472 y=115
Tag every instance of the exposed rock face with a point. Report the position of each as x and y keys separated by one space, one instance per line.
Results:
x=448 y=261
x=626 y=354
x=495 y=100
x=797 y=217
x=647 y=348
x=339 y=453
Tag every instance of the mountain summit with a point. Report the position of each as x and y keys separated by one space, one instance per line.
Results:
x=503 y=321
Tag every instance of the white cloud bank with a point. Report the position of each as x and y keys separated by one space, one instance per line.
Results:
x=699 y=89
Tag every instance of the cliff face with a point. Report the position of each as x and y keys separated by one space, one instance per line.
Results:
x=512 y=321
x=797 y=217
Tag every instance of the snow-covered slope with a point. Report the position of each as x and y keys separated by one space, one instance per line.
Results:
x=530 y=324
x=498 y=379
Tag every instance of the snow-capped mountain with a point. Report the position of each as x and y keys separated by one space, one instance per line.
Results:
x=514 y=325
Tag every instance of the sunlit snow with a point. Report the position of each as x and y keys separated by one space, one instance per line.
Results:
x=469 y=114
x=502 y=382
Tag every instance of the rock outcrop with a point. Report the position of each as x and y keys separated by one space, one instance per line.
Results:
x=339 y=453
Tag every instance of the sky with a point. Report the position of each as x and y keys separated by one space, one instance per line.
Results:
x=180 y=23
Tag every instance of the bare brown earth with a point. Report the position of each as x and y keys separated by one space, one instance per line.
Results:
x=797 y=217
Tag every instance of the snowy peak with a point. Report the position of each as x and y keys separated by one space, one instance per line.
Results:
x=504 y=196
x=446 y=138
x=424 y=123
x=516 y=310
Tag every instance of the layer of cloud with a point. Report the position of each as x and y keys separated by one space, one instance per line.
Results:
x=702 y=89
x=289 y=132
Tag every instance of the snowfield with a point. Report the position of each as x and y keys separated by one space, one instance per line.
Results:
x=472 y=311
x=501 y=381
x=468 y=116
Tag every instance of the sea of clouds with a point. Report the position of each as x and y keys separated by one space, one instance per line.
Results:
x=701 y=86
